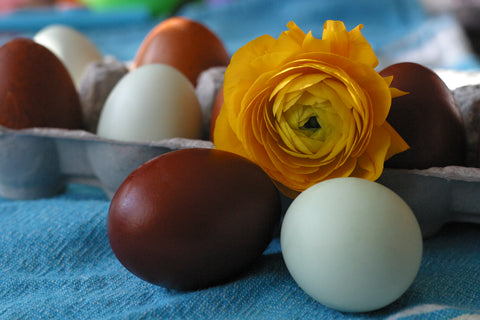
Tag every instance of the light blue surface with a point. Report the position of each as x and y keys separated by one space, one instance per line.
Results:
x=397 y=29
x=56 y=263
x=55 y=259
x=241 y=21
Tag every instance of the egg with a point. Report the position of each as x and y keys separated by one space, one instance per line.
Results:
x=36 y=89
x=193 y=218
x=151 y=103
x=351 y=244
x=74 y=49
x=427 y=118
x=186 y=45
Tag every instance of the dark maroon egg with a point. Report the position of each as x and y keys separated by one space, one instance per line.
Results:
x=427 y=118
x=192 y=218
x=36 y=89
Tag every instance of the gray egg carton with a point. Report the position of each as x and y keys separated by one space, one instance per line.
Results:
x=40 y=162
x=438 y=195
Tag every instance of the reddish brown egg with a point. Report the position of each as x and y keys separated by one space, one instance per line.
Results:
x=184 y=44
x=36 y=89
x=192 y=218
x=216 y=110
x=427 y=118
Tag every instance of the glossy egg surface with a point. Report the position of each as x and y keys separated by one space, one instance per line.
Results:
x=193 y=218
x=73 y=48
x=186 y=45
x=427 y=118
x=36 y=89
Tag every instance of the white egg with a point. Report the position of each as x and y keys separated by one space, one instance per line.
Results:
x=351 y=244
x=151 y=103
x=74 y=49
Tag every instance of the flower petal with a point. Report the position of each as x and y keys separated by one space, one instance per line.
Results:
x=307 y=109
x=360 y=50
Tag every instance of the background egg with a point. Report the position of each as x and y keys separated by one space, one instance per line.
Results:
x=186 y=45
x=351 y=244
x=74 y=49
x=427 y=118
x=151 y=103
x=193 y=218
x=36 y=89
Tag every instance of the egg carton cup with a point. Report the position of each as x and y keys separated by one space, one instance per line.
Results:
x=41 y=162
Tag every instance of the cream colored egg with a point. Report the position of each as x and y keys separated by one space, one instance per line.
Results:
x=151 y=103
x=351 y=244
x=74 y=49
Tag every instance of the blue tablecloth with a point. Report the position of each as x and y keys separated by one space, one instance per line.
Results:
x=55 y=259
x=398 y=30
x=56 y=263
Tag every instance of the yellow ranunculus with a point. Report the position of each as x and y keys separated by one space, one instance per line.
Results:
x=307 y=109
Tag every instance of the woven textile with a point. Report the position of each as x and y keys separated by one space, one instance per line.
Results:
x=56 y=263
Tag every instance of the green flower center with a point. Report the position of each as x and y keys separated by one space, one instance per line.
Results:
x=312 y=115
x=311 y=124
x=308 y=128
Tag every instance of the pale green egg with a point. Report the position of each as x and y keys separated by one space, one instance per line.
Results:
x=351 y=244
x=151 y=103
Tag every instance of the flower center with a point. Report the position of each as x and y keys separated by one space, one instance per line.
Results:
x=309 y=112
x=309 y=128
x=312 y=123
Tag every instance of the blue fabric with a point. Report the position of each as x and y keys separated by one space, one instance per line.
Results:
x=398 y=30
x=55 y=259
x=56 y=263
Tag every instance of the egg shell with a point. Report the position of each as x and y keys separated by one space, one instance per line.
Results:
x=351 y=244
x=36 y=89
x=151 y=103
x=184 y=44
x=192 y=218
x=74 y=49
x=427 y=118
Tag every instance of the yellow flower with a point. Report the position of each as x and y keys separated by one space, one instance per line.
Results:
x=307 y=109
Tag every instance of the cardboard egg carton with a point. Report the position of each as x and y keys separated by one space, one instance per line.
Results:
x=40 y=162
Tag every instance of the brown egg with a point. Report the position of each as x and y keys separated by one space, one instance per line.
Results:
x=216 y=110
x=36 y=89
x=192 y=218
x=184 y=44
x=427 y=118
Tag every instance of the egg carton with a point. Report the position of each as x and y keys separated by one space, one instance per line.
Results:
x=41 y=162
